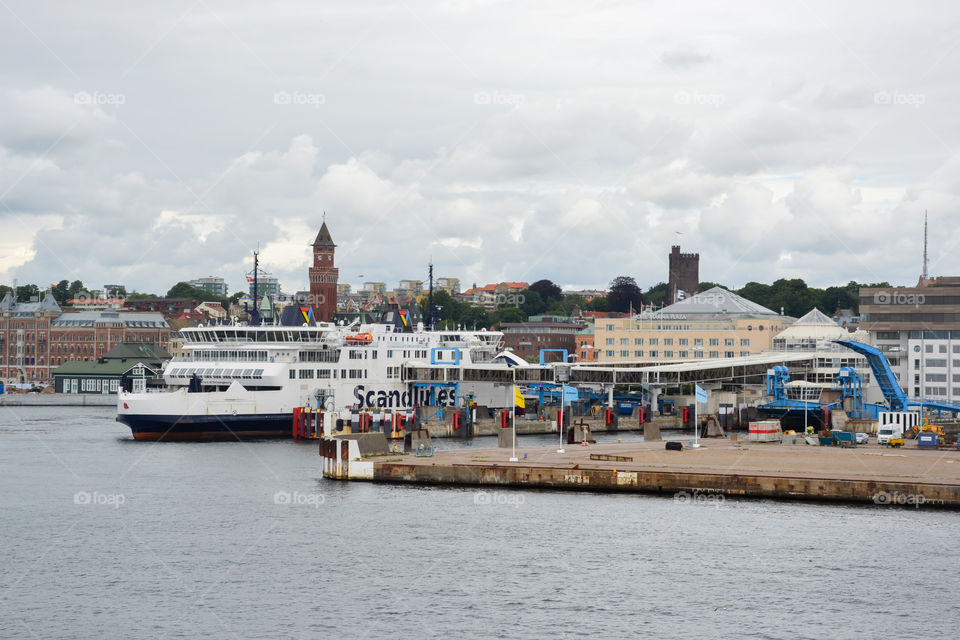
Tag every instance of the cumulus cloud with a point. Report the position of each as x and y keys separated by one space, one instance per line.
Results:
x=502 y=143
x=683 y=58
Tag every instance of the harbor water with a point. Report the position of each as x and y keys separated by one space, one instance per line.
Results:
x=102 y=536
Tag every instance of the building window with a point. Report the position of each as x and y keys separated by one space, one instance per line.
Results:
x=638 y=354
x=714 y=342
x=728 y=354
x=624 y=341
x=714 y=354
x=728 y=342
x=624 y=353
x=682 y=342
x=653 y=342
x=668 y=354
x=639 y=342
x=744 y=342
x=653 y=354
x=609 y=341
x=667 y=341
x=683 y=354
x=744 y=354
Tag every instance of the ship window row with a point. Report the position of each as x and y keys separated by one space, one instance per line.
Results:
x=327 y=374
x=327 y=355
x=245 y=374
x=239 y=356
x=255 y=336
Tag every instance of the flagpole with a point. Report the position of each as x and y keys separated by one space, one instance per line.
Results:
x=696 y=415
x=513 y=415
x=563 y=415
x=696 y=426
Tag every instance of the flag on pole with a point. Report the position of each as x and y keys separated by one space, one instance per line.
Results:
x=518 y=398
x=702 y=394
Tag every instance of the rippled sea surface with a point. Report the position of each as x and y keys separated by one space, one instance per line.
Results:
x=102 y=536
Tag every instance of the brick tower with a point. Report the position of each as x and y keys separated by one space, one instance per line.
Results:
x=323 y=277
x=684 y=275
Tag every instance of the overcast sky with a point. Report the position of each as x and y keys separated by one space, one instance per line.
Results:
x=573 y=141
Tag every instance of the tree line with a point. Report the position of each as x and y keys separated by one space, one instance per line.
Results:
x=544 y=297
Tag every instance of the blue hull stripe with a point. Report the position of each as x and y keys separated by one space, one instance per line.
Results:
x=228 y=427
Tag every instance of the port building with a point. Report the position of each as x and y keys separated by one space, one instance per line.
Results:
x=716 y=323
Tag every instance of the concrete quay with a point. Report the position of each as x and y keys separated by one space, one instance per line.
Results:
x=866 y=474
x=57 y=400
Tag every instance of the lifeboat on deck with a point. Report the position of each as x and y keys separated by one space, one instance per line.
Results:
x=360 y=338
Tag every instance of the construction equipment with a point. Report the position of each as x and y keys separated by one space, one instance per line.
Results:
x=926 y=427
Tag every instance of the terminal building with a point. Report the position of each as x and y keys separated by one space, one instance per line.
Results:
x=918 y=329
x=713 y=324
x=817 y=333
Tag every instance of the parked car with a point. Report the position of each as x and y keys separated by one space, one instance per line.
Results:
x=863 y=438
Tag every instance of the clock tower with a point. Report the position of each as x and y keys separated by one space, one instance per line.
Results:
x=323 y=277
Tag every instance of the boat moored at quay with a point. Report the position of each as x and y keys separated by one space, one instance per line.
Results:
x=241 y=381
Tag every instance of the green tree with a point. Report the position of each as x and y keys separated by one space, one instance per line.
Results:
x=566 y=305
x=656 y=295
x=61 y=292
x=624 y=294
x=509 y=314
x=445 y=307
x=532 y=304
x=756 y=292
x=28 y=291
x=598 y=304
x=547 y=289
x=4 y=290
x=185 y=290
x=475 y=317
x=75 y=288
x=706 y=286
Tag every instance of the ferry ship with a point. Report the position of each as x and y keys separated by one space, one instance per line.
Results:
x=242 y=381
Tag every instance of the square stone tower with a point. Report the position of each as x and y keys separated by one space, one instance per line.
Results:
x=684 y=275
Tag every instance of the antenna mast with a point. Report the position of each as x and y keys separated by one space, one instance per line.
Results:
x=430 y=300
x=925 y=274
